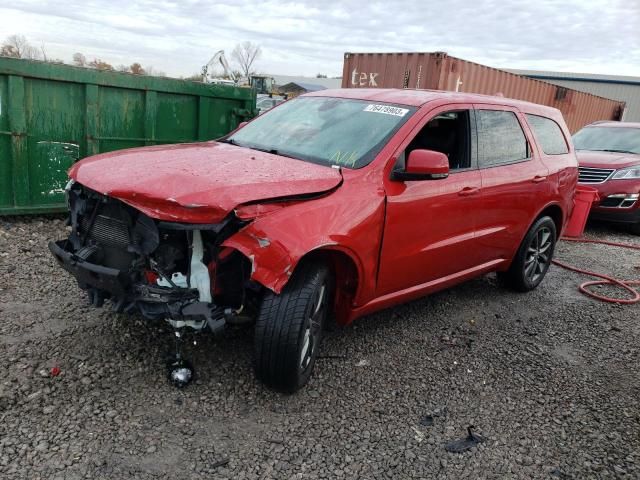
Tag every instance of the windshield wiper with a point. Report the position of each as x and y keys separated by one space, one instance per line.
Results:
x=273 y=151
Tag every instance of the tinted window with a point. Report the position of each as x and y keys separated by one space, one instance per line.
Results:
x=500 y=138
x=549 y=135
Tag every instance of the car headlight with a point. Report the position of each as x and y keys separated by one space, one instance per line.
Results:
x=627 y=173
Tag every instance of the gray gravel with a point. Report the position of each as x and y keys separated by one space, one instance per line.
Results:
x=549 y=379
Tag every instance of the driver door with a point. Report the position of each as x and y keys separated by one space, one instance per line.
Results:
x=430 y=224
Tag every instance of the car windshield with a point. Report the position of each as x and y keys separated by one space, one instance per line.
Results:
x=608 y=139
x=329 y=131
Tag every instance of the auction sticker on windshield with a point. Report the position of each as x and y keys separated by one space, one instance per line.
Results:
x=387 y=109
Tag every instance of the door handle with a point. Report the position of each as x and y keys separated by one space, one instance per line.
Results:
x=468 y=191
x=538 y=179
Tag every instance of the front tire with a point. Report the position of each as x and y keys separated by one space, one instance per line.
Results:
x=532 y=261
x=290 y=327
x=635 y=228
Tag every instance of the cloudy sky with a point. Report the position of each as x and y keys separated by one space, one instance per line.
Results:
x=306 y=37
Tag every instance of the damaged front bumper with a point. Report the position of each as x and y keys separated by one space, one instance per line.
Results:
x=164 y=271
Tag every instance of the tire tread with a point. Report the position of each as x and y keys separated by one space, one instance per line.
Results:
x=279 y=327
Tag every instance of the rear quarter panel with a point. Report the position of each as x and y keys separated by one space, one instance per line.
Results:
x=563 y=168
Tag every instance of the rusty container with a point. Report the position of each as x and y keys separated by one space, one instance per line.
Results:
x=439 y=71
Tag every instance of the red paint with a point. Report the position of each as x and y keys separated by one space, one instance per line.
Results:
x=427 y=162
x=199 y=183
x=55 y=371
x=401 y=239
x=585 y=196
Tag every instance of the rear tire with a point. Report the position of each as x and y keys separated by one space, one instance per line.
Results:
x=533 y=257
x=289 y=328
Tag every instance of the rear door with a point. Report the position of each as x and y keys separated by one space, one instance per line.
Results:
x=514 y=181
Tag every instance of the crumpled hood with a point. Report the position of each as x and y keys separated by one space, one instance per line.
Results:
x=592 y=159
x=201 y=182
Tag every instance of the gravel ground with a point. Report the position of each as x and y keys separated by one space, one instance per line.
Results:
x=549 y=379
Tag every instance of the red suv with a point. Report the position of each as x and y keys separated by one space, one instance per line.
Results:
x=609 y=158
x=330 y=206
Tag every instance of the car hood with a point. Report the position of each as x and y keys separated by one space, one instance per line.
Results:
x=594 y=159
x=201 y=182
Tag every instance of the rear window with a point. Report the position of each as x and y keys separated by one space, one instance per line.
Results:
x=500 y=138
x=548 y=134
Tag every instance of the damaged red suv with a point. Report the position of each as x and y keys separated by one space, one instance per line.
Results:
x=328 y=207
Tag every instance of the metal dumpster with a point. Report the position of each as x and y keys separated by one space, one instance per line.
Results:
x=52 y=115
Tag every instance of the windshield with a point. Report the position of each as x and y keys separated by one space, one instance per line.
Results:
x=329 y=131
x=608 y=139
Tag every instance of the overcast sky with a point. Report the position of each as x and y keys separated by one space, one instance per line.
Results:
x=308 y=37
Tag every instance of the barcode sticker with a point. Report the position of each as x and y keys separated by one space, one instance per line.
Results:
x=387 y=110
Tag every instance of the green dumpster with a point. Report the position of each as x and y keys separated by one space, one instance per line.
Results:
x=53 y=115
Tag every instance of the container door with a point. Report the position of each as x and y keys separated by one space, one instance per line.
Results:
x=6 y=155
x=429 y=227
x=55 y=117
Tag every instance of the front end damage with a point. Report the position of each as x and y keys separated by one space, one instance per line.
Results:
x=169 y=271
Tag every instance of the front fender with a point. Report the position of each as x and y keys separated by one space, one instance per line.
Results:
x=271 y=262
x=276 y=242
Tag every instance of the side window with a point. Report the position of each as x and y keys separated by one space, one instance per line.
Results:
x=548 y=134
x=500 y=138
x=448 y=133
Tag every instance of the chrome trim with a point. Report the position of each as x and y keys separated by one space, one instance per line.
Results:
x=586 y=175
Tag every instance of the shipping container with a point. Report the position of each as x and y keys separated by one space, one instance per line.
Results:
x=439 y=71
x=51 y=115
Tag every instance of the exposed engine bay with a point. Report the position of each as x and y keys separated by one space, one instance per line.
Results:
x=163 y=270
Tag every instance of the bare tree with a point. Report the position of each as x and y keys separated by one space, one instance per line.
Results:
x=137 y=69
x=79 y=60
x=17 y=46
x=245 y=54
x=122 y=68
x=100 y=65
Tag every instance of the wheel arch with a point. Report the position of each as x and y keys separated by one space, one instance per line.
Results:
x=552 y=210
x=347 y=274
x=556 y=213
x=273 y=264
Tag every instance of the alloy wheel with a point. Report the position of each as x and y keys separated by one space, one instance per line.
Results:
x=538 y=254
x=313 y=329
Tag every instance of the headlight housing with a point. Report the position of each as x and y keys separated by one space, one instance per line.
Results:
x=627 y=173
